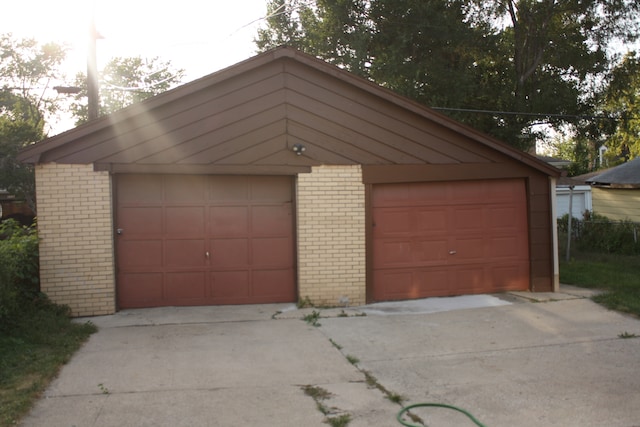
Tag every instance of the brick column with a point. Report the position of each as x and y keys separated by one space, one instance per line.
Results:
x=331 y=236
x=76 y=240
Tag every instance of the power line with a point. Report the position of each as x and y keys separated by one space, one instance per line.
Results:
x=519 y=113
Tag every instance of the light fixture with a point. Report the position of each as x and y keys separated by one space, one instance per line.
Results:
x=298 y=149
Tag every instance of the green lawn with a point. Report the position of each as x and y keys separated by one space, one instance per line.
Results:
x=33 y=347
x=618 y=276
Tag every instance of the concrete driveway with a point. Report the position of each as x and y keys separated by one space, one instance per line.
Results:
x=510 y=361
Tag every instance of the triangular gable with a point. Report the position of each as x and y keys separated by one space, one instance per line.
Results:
x=249 y=116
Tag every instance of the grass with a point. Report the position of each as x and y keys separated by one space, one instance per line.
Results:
x=319 y=395
x=618 y=276
x=32 y=349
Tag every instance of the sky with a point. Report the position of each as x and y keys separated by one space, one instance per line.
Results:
x=198 y=36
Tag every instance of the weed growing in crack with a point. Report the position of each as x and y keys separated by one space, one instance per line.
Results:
x=626 y=335
x=335 y=344
x=339 y=421
x=316 y=393
x=305 y=303
x=353 y=360
x=312 y=318
x=103 y=388
x=373 y=382
x=319 y=395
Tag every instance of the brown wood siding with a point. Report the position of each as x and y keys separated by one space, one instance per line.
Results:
x=256 y=117
x=374 y=121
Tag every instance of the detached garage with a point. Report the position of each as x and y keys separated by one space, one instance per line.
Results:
x=284 y=178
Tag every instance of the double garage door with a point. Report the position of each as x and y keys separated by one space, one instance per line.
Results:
x=208 y=240
x=449 y=238
x=204 y=240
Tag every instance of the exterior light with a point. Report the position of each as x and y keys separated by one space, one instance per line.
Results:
x=298 y=149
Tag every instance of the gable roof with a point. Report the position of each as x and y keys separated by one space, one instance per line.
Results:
x=247 y=117
x=626 y=175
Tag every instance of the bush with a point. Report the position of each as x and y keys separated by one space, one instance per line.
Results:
x=597 y=233
x=19 y=272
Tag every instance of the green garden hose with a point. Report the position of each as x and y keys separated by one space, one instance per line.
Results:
x=433 y=405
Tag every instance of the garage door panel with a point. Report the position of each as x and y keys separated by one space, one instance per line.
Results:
x=471 y=279
x=390 y=195
x=229 y=221
x=135 y=254
x=412 y=284
x=271 y=252
x=395 y=284
x=389 y=222
x=226 y=285
x=430 y=221
x=185 y=221
x=139 y=290
x=430 y=252
x=273 y=283
x=185 y=287
x=505 y=247
x=509 y=277
x=229 y=253
x=271 y=189
x=427 y=194
x=466 y=191
x=271 y=220
x=184 y=253
x=187 y=189
x=229 y=189
x=468 y=219
x=503 y=190
x=505 y=217
x=392 y=253
x=456 y=237
x=144 y=221
x=139 y=189
x=467 y=249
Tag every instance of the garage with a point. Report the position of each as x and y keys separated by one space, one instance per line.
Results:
x=281 y=179
x=449 y=238
x=204 y=240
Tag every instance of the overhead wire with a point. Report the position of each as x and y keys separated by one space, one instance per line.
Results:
x=520 y=113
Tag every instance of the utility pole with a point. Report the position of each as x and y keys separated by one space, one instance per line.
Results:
x=92 y=70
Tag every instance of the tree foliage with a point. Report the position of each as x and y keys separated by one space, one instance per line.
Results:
x=27 y=70
x=622 y=102
x=541 y=59
x=125 y=81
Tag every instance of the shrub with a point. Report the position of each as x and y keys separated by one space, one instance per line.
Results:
x=597 y=233
x=19 y=272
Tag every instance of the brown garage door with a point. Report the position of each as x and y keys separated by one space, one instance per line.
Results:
x=204 y=240
x=452 y=238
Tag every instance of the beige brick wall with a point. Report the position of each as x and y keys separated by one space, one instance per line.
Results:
x=76 y=241
x=331 y=235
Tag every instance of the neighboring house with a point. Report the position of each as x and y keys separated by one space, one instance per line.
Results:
x=576 y=191
x=11 y=208
x=570 y=192
x=284 y=178
x=616 y=191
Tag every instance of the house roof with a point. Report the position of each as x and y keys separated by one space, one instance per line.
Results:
x=554 y=161
x=247 y=117
x=626 y=175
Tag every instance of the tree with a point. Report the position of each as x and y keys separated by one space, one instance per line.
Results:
x=125 y=81
x=527 y=61
x=622 y=101
x=27 y=70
